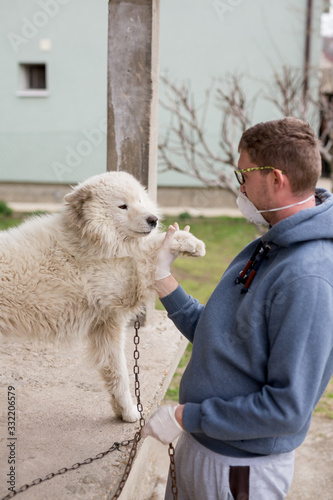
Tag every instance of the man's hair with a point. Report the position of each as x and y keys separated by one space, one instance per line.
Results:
x=288 y=144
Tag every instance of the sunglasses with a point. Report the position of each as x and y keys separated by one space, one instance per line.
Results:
x=240 y=177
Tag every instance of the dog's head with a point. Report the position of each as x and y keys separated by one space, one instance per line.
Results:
x=111 y=206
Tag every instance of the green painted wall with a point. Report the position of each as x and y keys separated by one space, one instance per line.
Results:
x=44 y=139
x=62 y=137
x=255 y=38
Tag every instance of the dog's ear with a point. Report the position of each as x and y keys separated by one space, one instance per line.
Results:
x=78 y=196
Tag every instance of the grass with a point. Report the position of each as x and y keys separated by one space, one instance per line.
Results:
x=7 y=219
x=6 y=223
x=325 y=405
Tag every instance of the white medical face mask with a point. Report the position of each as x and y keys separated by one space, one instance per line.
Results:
x=249 y=210
x=253 y=215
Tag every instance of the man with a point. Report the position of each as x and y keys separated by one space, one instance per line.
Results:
x=263 y=344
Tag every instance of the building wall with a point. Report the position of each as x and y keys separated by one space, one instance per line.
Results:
x=253 y=38
x=61 y=138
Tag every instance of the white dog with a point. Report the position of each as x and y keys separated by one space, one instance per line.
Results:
x=85 y=272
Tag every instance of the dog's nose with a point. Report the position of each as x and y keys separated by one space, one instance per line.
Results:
x=152 y=221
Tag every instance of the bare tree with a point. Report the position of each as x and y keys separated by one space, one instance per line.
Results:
x=325 y=106
x=236 y=116
x=286 y=94
x=185 y=147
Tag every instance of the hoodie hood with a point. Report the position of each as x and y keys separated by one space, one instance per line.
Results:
x=306 y=225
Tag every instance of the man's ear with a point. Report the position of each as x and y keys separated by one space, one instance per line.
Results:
x=279 y=179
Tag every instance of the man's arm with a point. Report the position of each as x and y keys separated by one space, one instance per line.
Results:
x=166 y=286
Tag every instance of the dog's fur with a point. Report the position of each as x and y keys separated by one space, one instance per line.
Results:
x=85 y=272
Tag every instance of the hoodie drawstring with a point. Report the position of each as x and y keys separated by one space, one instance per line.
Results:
x=247 y=275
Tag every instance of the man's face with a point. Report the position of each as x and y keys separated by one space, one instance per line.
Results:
x=255 y=186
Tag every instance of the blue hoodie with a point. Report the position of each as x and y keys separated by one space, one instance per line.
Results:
x=262 y=359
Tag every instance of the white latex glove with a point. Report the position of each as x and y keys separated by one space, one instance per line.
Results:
x=165 y=256
x=163 y=425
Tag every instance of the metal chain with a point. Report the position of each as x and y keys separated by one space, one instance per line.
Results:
x=115 y=446
x=138 y=436
x=139 y=406
x=136 y=371
x=174 y=488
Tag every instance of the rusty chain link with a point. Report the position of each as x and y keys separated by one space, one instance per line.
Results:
x=137 y=436
x=136 y=371
x=116 y=445
x=174 y=488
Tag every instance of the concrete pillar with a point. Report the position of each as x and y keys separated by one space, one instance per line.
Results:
x=132 y=89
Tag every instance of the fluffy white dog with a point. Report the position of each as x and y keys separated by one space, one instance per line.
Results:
x=86 y=271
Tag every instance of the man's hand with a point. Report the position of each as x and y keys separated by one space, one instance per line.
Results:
x=165 y=256
x=166 y=424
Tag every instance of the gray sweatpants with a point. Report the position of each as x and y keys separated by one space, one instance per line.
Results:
x=204 y=475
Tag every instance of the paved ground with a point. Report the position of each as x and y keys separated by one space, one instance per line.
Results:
x=62 y=415
x=313 y=478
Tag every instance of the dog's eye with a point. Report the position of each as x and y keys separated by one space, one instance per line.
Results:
x=123 y=207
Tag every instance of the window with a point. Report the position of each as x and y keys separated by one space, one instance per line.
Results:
x=33 y=80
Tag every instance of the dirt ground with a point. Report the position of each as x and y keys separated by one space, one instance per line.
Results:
x=313 y=479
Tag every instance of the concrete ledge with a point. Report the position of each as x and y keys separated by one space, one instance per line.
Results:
x=24 y=208
x=198 y=197
x=198 y=212
x=63 y=416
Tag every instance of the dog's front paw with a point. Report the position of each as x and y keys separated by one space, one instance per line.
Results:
x=187 y=244
x=130 y=414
